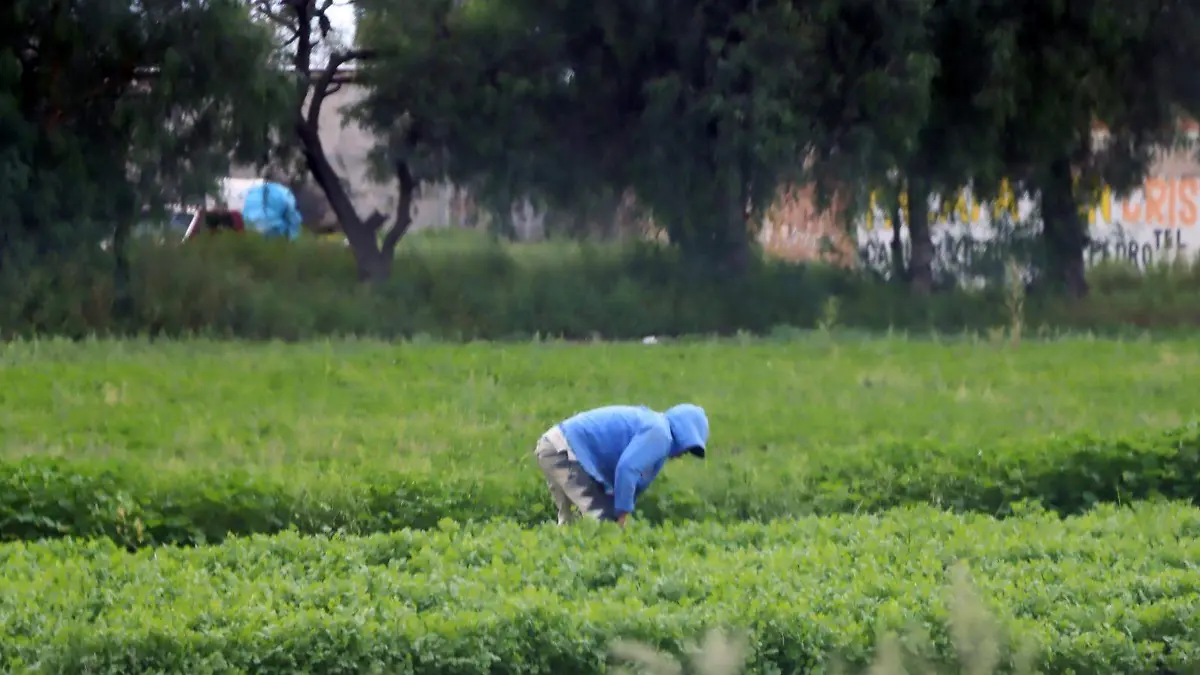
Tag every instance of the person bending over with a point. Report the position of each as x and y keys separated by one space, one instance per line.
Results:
x=600 y=461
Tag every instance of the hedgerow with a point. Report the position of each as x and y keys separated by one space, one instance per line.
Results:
x=1102 y=593
x=466 y=289
x=142 y=505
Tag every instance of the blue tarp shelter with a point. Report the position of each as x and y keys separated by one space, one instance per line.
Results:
x=271 y=209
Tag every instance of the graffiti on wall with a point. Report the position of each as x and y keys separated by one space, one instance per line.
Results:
x=1158 y=222
x=793 y=229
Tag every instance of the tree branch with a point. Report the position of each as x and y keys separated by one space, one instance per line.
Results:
x=264 y=8
x=407 y=186
x=374 y=221
x=322 y=87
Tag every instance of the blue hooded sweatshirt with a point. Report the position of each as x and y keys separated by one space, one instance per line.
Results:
x=270 y=208
x=624 y=447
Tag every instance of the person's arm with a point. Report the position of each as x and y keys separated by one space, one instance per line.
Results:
x=649 y=446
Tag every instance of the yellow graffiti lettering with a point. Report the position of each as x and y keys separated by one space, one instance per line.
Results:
x=968 y=209
x=1103 y=210
x=1006 y=202
x=884 y=223
x=943 y=213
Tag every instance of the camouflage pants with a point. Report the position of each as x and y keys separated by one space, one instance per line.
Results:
x=570 y=486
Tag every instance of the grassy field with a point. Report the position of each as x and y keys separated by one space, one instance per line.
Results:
x=848 y=476
x=479 y=408
x=193 y=441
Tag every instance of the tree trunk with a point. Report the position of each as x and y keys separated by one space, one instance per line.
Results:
x=899 y=266
x=720 y=247
x=122 y=276
x=734 y=234
x=406 y=187
x=735 y=259
x=920 y=268
x=735 y=253
x=359 y=233
x=374 y=258
x=1064 y=232
x=372 y=265
x=714 y=234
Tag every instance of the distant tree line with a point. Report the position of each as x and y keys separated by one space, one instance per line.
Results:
x=699 y=109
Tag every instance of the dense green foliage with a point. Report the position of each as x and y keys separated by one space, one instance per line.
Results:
x=700 y=109
x=110 y=108
x=699 y=112
x=190 y=442
x=868 y=466
x=1104 y=593
x=139 y=505
x=460 y=288
x=1124 y=65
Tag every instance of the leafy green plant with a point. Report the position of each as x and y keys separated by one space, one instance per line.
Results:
x=1103 y=593
x=458 y=290
x=144 y=506
x=191 y=442
x=829 y=314
x=1014 y=302
x=972 y=628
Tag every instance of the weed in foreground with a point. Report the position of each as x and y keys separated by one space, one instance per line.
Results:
x=1014 y=303
x=974 y=634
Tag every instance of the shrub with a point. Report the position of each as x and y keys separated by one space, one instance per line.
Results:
x=140 y=506
x=1110 y=592
x=461 y=288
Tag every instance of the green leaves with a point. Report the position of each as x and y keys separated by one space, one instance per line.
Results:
x=136 y=506
x=1096 y=594
x=121 y=107
x=699 y=110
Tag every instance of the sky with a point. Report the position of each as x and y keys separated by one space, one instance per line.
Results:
x=341 y=15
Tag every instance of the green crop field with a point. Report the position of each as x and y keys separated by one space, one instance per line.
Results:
x=1097 y=593
x=479 y=408
x=846 y=477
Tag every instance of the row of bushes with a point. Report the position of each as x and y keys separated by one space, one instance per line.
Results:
x=254 y=288
x=1108 y=593
x=139 y=505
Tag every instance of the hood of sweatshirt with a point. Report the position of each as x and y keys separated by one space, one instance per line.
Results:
x=689 y=429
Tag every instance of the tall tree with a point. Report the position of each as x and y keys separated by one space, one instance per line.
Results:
x=461 y=91
x=1018 y=88
x=110 y=108
x=701 y=109
x=1127 y=64
x=957 y=146
x=317 y=60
